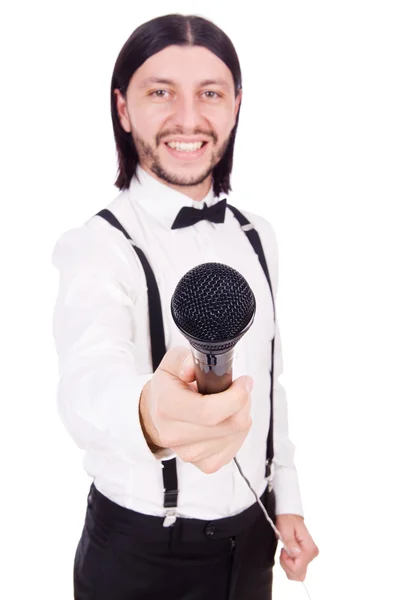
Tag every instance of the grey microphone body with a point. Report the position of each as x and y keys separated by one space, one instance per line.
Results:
x=213 y=307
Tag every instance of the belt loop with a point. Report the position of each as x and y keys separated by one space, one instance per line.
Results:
x=175 y=534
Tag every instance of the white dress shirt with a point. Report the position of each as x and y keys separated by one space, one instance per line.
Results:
x=101 y=332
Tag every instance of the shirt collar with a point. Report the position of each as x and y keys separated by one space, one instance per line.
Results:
x=162 y=201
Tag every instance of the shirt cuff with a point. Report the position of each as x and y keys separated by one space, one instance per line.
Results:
x=287 y=491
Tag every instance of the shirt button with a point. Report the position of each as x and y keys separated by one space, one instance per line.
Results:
x=210 y=530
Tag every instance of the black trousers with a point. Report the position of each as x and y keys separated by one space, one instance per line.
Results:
x=126 y=555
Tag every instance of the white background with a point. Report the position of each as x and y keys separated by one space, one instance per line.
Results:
x=315 y=155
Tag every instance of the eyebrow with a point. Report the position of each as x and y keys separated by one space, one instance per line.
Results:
x=163 y=81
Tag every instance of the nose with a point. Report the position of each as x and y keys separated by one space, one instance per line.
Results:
x=187 y=114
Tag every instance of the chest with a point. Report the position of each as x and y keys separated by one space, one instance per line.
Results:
x=173 y=253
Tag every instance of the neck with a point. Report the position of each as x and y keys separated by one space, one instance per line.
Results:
x=195 y=192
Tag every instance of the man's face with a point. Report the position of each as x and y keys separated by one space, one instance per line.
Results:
x=181 y=95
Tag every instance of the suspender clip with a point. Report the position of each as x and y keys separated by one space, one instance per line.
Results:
x=269 y=474
x=170 y=517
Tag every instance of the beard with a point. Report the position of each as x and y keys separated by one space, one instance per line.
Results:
x=147 y=155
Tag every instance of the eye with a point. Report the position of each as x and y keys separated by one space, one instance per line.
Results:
x=211 y=92
x=157 y=93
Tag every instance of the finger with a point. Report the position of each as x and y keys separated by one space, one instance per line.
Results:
x=181 y=433
x=295 y=565
x=294 y=568
x=188 y=373
x=291 y=548
x=178 y=362
x=202 y=450
x=294 y=576
x=213 y=461
x=305 y=541
x=307 y=544
x=293 y=561
x=181 y=403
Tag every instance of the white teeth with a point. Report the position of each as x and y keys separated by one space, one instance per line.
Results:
x=183 y=147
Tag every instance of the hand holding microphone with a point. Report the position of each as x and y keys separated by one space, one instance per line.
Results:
x=213 y=306
x=206 y=430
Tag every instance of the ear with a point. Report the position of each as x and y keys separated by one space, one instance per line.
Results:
x=122 y=111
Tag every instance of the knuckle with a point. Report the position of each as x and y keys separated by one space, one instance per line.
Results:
x=167 y=440
x=209 y=466
x=188 y=454
x=204 y=467
x=241 y=422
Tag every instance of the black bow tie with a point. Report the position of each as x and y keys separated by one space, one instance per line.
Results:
x=189 y=215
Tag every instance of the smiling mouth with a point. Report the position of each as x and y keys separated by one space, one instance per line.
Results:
x=186 y=147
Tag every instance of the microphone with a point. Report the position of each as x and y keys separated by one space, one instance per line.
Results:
x=213 y=307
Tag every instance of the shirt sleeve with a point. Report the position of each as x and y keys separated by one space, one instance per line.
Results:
x=100 y=372
x=285 y=481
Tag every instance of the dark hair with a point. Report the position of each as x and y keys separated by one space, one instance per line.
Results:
x=148 y=39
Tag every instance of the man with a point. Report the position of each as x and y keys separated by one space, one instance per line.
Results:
x=168 y=513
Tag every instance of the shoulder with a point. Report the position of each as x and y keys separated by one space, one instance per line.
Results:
x=268 y=240
x=97 y=245
x=265 y=230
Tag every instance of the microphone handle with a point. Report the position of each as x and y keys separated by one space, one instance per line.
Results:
x=213 y=371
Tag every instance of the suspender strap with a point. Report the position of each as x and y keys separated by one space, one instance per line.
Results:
x=256 y=244
x=158 y=348
x=170 y=481
x=155 y=315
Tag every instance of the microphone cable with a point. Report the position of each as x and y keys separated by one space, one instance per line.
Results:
x=276 y=531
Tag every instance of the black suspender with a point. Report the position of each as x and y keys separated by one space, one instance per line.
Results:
x=255 y=241
x=156 y=326
x=158 y=349
x=157 y=339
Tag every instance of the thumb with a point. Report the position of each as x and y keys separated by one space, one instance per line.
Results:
x=187 y=372
x=292 y=548
x=178 y=362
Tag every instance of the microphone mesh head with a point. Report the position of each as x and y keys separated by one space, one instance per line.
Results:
x=213 y=306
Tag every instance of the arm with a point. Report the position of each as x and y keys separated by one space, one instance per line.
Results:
x=101 y=289
x=285 y=482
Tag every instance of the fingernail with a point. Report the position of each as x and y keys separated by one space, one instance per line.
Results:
x=295 y=551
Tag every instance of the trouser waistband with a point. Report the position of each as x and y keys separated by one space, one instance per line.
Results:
x=150 y=528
